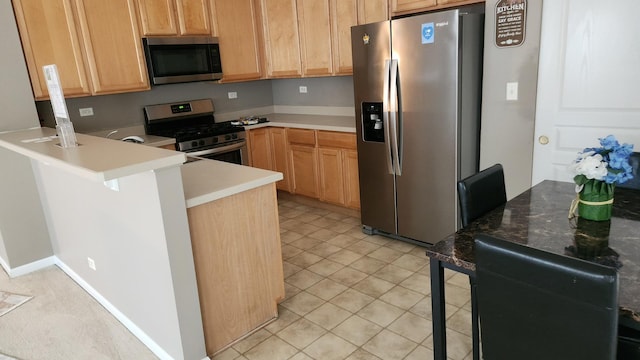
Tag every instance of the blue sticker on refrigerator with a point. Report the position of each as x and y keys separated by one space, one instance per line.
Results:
x=428 y=33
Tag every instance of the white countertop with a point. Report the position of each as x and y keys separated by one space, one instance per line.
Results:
x=137 y=130
x=317 y=122
x=208 y=180
x=94 y=158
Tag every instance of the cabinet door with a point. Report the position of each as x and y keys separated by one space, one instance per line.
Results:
x=112 y=41
x=370 y=11
x=279 y=157
x=260 y=148
x=49 y=36
x=344 y=14
x=238 y=34
x=315 y=36
x=331 y=175
x=281 y=39
x=193 y=17
x=410 y=5
x=157 y=17
x=304 y=169
x=351 y=179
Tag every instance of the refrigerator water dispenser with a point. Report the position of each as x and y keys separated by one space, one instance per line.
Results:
x=372 y=125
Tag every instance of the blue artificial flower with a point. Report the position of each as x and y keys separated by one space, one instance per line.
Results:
x=610 y=154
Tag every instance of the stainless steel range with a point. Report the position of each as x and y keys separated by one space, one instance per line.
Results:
x=193 y=126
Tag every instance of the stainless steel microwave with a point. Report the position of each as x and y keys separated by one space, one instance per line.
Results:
x=176 y=59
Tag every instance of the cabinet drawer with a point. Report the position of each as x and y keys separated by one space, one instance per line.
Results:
x=336 y=139
x=301 y=136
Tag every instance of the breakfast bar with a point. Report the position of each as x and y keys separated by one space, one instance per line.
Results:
x=539 y=218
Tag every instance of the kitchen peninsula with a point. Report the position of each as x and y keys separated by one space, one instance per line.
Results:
x=116 y=213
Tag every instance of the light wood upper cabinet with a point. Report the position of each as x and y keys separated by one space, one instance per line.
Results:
x=370 y=11
x=281 y=38
x=239 y=34
x=315 y=37
x=174 y=17
x=113 y=47
x=344 y=15
x=410 y=5
x=49 y=36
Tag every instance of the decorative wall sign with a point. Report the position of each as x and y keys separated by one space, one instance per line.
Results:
x=511 y=16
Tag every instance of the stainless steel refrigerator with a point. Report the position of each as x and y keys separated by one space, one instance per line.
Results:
x=417 y=83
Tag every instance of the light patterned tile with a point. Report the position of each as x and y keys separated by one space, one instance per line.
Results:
x=357 y=330
x=410 y=262
x=326 y=289
x=328 y=316
x=304 y=260
x=285 y=318
x=304 y=279
x=251 y=341
x=289 y=251
x=389 y=346
x=460 y=280
x=330 y=347
x=325 y=267
x=377 y=239
x=458 y=345
x=301 y=356
x=289 y=269
x=460 y=321
x=290 y=290
x=290 y=236
x=361 y=354
x=402 y=297
x=356 y=232
x=271 y=349
x=324 y=249
x=420 y=353
x=303 y=303
x=306 y=243
x=418 y=283
x=368 y=264
x=352 y=220
x=352 y=300
x=380 y=313
x=401 y=246
x=344 y=257
x=323 y=234
x=385 y=254
x=301 y=333
x=363 y=247
x=290 y=224
x=228 y=354
x=348 y=276
x=304 y=228
x=393 y=274
x=324 y=222
x=373 y=286
x=413 y=327
x=456 y=296
x=343 y=240
x=308 y=217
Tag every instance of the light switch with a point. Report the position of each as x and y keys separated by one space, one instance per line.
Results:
x=86 y=111
x=232 y=95
x=303 y=89
x=512 y=91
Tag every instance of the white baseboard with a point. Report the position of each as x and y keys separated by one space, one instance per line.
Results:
x=135 y=330
x=28 y=268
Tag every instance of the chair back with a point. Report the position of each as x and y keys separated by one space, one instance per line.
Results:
x=481 y=193
x=537 y=305
x=634 y=161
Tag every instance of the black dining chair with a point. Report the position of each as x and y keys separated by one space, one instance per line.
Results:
x=481 y=193
x=477 y=195
x=538 y=305
x=634 y=183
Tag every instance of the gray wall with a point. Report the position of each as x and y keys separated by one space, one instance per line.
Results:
x=23 y=234
x=322 y=91
x=508 y=126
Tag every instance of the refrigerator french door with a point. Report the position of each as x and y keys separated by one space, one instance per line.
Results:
x=417 y=84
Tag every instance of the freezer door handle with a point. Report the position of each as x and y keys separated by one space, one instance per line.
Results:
x=393 y=110
x=385 y=116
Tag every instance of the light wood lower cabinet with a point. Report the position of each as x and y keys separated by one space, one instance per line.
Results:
x=259 y=145
x=338 y=164
x=303 y=162
x=268 y=150
x=238 y=263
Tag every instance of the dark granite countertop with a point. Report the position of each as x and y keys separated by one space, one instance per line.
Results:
x=539 y=218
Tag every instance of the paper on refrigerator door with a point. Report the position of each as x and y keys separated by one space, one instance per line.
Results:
x=55 y=92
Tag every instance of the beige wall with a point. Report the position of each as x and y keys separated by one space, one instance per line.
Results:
x=508 y=126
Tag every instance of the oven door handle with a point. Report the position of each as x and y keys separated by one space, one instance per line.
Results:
x=218 y=150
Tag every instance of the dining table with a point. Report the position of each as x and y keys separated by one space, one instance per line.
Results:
x=539 y=217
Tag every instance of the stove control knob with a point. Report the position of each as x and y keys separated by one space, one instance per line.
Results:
x=215 y=140
x=234 y=136
x=201 y=142
x=194 y=143
x=227 y=137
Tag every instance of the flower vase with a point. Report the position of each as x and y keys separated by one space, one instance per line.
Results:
x=596 y=205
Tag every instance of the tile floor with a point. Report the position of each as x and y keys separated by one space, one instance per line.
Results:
x=353 y=296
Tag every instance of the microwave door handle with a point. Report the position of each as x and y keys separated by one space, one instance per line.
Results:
x=218 y=150
x=385 y=117
x=393 y=110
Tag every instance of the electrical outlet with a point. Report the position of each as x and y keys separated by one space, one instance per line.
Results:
x=303 y=89
x=232 y=95
x=92 y=264
x=86 y=111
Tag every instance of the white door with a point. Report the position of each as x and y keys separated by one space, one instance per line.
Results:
x=588 y=81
